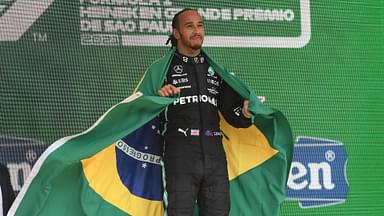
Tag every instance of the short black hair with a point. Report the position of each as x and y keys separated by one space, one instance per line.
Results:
x=175 y=25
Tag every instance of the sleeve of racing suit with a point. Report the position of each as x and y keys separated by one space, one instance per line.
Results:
x=230 y=104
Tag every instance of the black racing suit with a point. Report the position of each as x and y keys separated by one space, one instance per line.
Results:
x=194 y=158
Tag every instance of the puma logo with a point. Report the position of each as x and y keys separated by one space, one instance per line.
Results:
x=183 y=131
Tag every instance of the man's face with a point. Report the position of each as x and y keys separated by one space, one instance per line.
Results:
x=190 y=31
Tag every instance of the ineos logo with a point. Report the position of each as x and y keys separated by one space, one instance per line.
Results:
x=178 y=69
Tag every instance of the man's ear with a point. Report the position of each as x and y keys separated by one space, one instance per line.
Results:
x=176 y=33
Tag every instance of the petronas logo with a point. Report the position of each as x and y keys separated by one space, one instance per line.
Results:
x=211 y=71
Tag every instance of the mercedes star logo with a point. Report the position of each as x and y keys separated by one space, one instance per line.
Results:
x=178 y=69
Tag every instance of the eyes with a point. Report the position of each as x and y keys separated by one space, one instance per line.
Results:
x=191 y=25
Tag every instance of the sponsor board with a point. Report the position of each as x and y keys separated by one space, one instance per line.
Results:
x=148 y=22
x=318 y=175
x=19 y=155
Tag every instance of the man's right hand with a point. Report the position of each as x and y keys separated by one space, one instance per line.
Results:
x=168 y=91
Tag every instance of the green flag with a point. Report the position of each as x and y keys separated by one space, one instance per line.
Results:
x=106 y=169
x=86 y=174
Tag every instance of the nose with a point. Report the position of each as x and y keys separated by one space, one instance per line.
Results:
x=194 y=28
x=197 y=29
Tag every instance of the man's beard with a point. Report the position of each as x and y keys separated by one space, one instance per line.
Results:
x=196 y=46
x=190 y=44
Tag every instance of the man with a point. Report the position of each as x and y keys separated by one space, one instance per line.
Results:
x=194 y=158
x=6 y=192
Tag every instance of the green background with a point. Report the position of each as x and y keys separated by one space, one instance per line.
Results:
x=332 y=88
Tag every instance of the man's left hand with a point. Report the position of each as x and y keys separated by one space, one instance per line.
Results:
x=245 y=111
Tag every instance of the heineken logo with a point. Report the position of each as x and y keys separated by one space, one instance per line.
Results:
x=318 y=175
x=19 y=155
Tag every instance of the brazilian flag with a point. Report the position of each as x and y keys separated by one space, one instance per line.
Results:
x=114 y=168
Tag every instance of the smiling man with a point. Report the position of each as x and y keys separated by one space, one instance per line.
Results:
x=194 y=158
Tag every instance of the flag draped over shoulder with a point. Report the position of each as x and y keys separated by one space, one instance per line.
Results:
x=114 y=167
x=102 y=171
x=258 y=157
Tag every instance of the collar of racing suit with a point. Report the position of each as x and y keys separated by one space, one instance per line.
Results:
x=199 y=59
